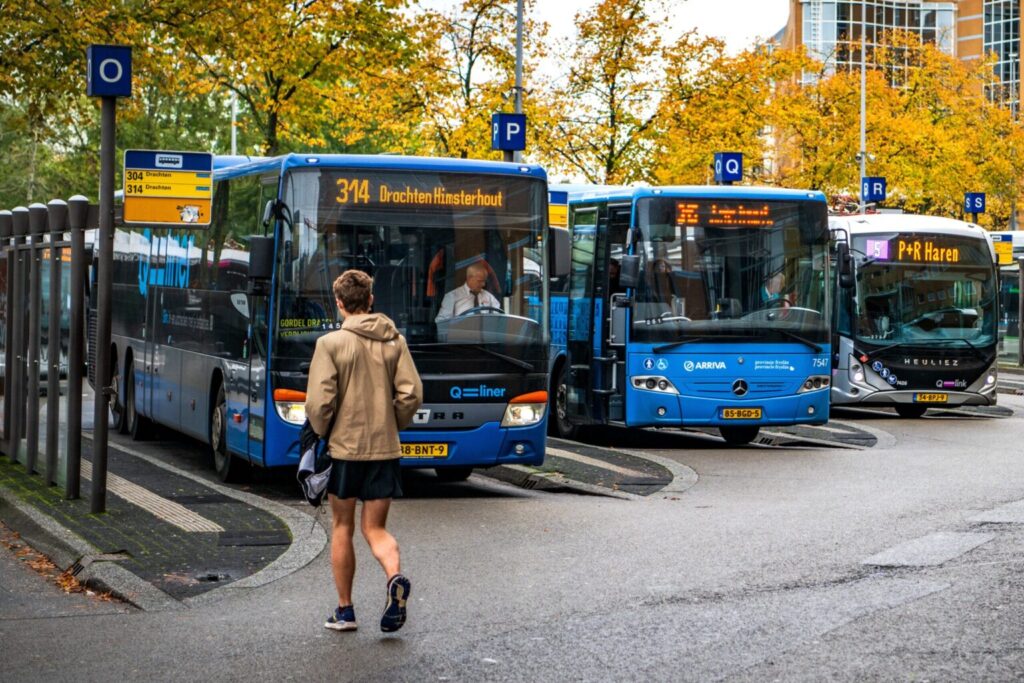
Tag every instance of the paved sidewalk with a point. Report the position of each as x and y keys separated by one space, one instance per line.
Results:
x=168 y=538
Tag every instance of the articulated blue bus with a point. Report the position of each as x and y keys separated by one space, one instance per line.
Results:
x=213 y=329
x=692 y=307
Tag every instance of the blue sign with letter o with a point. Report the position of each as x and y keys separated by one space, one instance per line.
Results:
x=728 y=167
x=508 y=132
x=974 y=202
x=872 y=189
x=110 y=71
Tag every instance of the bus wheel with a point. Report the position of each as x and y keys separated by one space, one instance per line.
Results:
x=453 y=474
x=739 y=436
x=910 y=411
x=227 y=469
x=560 y=410
x=138 y=426
x=114 y=406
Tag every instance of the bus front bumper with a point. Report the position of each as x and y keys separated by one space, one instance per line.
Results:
x=484 y=446
x=900 y=397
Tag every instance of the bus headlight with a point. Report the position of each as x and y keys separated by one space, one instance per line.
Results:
x=290 y=405
x=814 y=383
x=655 y=383
x=525 y=410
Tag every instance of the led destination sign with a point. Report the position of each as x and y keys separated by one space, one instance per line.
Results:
x=914 y=250
x=724 y=214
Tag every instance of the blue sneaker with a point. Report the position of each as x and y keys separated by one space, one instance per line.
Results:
x=343 y=619
x=394 y=611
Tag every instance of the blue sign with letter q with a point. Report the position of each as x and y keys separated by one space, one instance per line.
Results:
x=728 y=167
x=110 y=71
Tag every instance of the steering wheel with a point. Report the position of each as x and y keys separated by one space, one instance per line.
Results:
x=668 y=317
x=476 y=310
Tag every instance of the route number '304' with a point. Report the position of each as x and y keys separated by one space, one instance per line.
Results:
x=819 y=362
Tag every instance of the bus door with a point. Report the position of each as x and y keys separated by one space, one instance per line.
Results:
x=594 y=390
x=258 y=398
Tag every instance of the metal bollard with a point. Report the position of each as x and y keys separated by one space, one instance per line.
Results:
x=58 y=219
x=6 y=228
x=19 y=217
x=78 y=219
x=37 y=220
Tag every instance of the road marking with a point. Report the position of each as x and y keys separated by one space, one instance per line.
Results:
x=594 y=462
x=167 y=510
x=827 y=428
x=1011 y=513
x=929 y=551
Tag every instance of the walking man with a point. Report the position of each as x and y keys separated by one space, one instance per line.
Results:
x=363 y=389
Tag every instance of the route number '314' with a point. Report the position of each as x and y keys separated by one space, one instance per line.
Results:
x=353 y=191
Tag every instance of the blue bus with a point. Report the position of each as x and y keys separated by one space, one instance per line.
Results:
x=692 y=307
x=213 y=329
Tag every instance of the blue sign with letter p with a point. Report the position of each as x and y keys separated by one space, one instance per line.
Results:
x=974 y=202
x=110 y=71
x=872 y=189
x=728 y=167
x=508 y=132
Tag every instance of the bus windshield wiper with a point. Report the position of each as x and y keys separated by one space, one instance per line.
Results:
x=974 y=349
x=692 y=340
x=796 y=337
x=476 y=347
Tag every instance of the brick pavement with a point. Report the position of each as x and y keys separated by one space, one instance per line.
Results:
x=183 y=564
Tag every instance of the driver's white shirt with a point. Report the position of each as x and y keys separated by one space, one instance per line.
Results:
x=460 y=300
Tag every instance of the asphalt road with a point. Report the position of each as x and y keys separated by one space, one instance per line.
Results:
x=774 y=563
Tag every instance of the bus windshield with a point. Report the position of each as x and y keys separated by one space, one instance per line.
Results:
x=732 y=269
x=419 y=235
x=921 y=289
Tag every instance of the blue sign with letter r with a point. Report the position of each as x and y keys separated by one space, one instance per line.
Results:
x=872 y=189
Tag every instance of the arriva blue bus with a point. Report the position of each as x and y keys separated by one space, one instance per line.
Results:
x=213 y=329
x=692 y=307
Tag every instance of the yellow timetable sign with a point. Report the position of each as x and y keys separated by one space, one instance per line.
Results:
x=1004 y=252
x=168 y=188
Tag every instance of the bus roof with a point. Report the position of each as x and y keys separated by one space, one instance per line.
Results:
x=580 y=193
x=908 y=223
x=233 y=166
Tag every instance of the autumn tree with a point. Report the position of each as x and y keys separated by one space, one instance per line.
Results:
x=607 y=107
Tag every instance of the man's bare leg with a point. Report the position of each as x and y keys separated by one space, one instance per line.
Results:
x=343 y=555
x=382 y=544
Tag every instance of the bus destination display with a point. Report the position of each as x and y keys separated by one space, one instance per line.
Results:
x=912 y=250
x=724 y=214
x=413 y=192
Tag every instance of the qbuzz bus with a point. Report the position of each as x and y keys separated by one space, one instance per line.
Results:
x=918 y=325
x=213 y=330
x=692 y=307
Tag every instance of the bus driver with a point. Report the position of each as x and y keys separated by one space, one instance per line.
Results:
x=469 y=296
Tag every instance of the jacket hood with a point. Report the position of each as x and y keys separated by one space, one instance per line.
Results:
x=376 y=326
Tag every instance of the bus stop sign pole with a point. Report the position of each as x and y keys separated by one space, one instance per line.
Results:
x=110 y=77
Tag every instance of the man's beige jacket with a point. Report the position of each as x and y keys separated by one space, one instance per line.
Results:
x=364 y=374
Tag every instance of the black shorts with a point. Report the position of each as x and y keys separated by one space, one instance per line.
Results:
x=365 y=479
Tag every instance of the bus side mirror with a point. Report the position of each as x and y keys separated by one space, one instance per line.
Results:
x=629 y=270
x=261 y=263
x=844 y=261
x=560 y=252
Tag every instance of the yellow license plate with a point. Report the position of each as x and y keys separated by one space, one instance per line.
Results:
x=931 y=398
x=424 y=450
x=741 y=413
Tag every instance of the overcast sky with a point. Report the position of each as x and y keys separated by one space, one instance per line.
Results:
x=739 y=22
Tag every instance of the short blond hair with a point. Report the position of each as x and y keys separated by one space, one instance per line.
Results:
x=353 y=289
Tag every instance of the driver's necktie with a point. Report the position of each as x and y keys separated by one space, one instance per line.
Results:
x=476 y=300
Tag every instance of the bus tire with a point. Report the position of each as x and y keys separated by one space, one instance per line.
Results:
x=115 y=408
x=137 y=425
x=910 y=411
x=561 y=424
x=224 y=463
x=739 y=435
x=450 y=475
